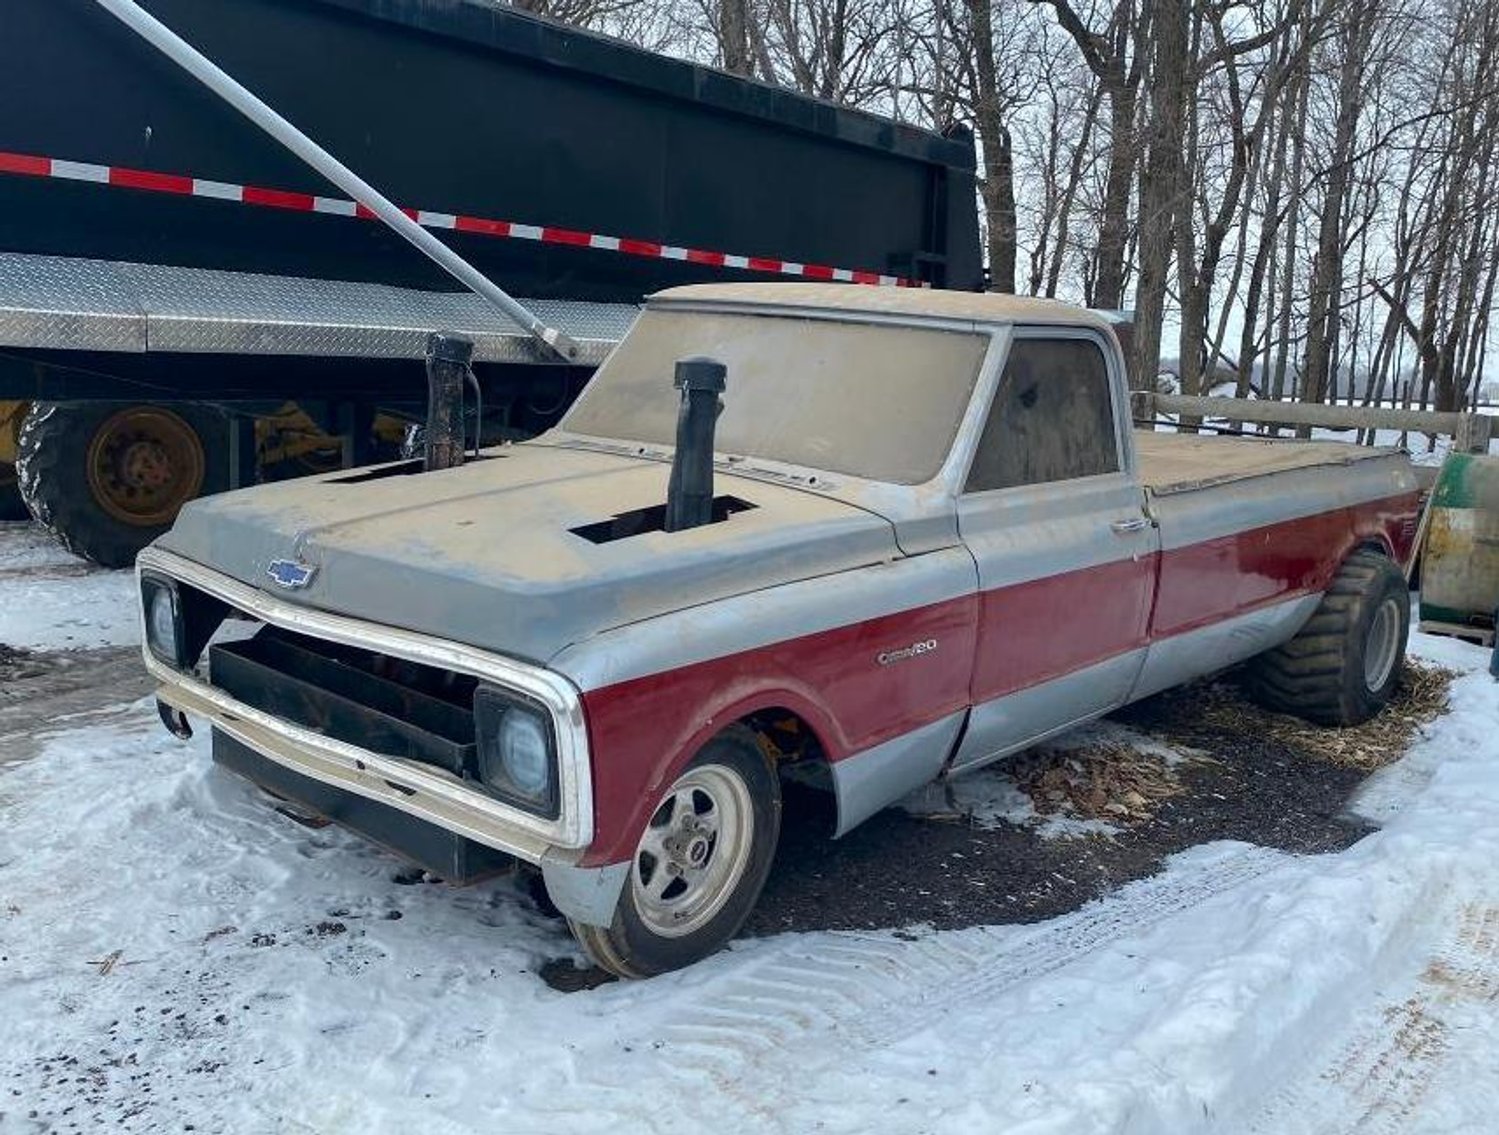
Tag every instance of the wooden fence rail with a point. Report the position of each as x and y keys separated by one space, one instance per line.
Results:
x=1470 y=432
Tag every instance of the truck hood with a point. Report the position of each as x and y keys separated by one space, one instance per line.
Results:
x=486 y=554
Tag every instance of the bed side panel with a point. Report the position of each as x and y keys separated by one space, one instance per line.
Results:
x=1245 y=563
x=1231 y=548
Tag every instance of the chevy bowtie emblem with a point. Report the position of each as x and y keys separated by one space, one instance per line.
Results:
x=290 y=573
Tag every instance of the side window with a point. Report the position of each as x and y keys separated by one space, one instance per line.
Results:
x=1052 y=419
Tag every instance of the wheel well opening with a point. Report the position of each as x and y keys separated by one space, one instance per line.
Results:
x=791 y=744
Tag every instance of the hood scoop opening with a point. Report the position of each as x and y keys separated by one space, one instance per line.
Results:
x=380 y=472
x=639 y=521
x=690 y=502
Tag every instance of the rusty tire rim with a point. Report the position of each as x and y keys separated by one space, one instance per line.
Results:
x=144 y=464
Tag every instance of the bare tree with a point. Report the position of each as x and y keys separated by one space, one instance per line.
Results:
x=1110 y=54
x=1310 y=184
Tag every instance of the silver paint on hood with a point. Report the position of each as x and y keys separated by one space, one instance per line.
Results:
x=483 y=554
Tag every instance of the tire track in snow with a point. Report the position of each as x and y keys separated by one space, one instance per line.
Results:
x=1381 y=1073
x=809 y=1006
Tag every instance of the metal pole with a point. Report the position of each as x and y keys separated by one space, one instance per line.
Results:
x=193 y=61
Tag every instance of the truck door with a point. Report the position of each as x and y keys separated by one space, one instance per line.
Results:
x=1053 y=515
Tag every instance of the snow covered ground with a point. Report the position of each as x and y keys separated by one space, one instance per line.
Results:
x=53 y=600
x=176 y=955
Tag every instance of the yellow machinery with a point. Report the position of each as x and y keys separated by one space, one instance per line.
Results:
x=107 y=477
x=11 y=505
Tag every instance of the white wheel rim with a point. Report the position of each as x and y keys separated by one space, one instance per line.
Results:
x=694 y=851
x=1382 y=647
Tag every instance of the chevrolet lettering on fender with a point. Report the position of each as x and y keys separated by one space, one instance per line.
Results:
x=915 y=650
x=599 y=652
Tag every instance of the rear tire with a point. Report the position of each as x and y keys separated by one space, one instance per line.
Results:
x=699 y=866
x=107 y=478
x=1343 y=665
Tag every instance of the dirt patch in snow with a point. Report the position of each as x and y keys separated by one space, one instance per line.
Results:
x=42 y=691
x=16 y=662
x=1420 y=698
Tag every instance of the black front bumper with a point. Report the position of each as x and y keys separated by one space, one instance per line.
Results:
x=445 y=854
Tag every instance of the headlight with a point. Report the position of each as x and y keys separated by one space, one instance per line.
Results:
x=163 y=620
x=517 y=753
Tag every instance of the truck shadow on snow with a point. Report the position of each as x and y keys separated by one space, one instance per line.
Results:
x=1235 y=771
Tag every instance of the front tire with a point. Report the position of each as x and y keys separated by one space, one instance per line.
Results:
x=1342 y=667
x=699 y=866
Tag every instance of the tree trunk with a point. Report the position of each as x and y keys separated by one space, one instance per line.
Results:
x=1107 y=56
x=1161 y=181
x=734 y=37
x=1113 y=226
x=1327 y=266
x=1287 y=286
x=998 y=185
x=1074 y=182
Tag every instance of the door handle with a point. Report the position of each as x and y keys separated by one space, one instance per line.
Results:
x=1130 y=524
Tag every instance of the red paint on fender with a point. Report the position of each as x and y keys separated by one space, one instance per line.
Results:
x=642 y=731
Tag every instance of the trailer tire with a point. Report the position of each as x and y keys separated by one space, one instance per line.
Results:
x=107 y=478
x=1343 y=665
x=719 y=821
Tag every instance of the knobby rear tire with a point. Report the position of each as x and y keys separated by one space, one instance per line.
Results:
x=1344 y=664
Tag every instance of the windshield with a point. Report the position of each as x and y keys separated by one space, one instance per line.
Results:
x=869 y=400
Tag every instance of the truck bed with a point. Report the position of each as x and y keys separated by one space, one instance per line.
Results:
x=1178 y=463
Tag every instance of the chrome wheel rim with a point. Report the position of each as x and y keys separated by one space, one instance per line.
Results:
x=694 y=851
x=1381 y=648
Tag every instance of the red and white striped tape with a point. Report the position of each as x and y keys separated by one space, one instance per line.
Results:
x=33 y=166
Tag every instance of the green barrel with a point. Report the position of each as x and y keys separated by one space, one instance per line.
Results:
x=1460 y=563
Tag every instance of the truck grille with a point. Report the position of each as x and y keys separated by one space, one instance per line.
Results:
x=379 y=703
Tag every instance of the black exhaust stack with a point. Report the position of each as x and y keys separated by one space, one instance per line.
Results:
x=689 y=493
x=447 y=367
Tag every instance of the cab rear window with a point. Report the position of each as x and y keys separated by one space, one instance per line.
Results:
x=1052 y=418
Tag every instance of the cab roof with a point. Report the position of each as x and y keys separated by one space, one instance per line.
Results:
x=921 y=303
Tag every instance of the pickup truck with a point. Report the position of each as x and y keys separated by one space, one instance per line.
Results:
x=864 y=538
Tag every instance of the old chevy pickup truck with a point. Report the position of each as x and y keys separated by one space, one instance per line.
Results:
x=921 y=535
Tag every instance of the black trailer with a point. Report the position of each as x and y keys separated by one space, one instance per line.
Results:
x=170 y=278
